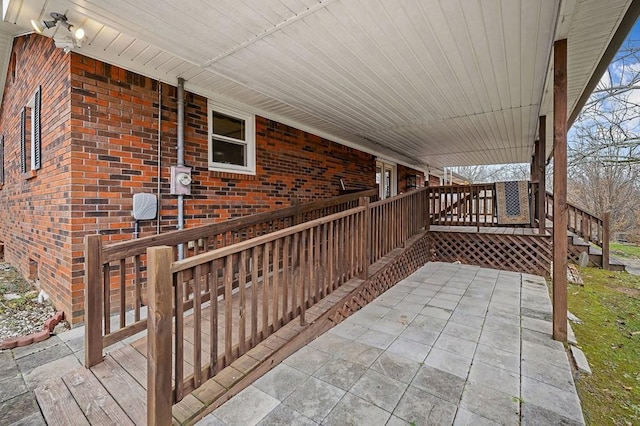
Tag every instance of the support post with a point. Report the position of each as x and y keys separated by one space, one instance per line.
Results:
x=427 y=208
x=295 y=203
x=534 y=182
x=542 y=175
x=560 y=190
x=93 y=292
x=159 y=287
x=606 y=237
x=366 y=241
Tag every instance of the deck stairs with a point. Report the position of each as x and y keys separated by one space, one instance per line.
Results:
x=577 y=246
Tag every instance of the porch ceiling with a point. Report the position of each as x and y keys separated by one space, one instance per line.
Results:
x=437 y=82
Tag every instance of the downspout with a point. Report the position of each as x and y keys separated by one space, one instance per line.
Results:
x=159 y=155
x=180 y=158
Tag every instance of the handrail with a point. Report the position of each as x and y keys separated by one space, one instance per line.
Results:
x=261 y=284
x=462 y=205
x=584 y=224
x=123 y=271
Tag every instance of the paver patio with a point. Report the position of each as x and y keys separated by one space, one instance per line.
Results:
x=451 y=344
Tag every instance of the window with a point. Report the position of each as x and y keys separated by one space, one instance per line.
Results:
x=30 y=135
x=232 y=146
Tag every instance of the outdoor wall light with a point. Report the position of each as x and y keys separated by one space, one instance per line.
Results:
x=39 y=27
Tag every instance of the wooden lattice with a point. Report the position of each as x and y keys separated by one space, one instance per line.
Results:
x=406 y=263
x=518 y=253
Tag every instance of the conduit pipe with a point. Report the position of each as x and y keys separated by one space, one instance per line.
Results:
x=159 y=155
x=180 y=159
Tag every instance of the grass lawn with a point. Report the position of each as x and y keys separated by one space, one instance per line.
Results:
x=625 y=250
x=609 y=305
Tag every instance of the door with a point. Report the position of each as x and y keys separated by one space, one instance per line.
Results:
x=386 y=179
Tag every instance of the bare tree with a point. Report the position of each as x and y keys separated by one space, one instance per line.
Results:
x=604 y=144
x=494 y=173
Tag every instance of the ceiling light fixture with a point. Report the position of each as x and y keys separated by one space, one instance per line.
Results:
x=78 y=34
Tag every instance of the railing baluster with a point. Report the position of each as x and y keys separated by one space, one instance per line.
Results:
x=197 y=333
x=276 y=282
x=213 y=314
x=242 y=283
x=228 y=310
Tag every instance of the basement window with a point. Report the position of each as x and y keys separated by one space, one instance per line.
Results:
x=232 y=140
x=30 y=137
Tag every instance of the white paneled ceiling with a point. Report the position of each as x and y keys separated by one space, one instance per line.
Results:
x=437 y=82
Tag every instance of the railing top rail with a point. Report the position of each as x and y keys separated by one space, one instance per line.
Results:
x=472 y=185
x=399 y=197
x=550 y=195
x=209 y=256
x=138 y=246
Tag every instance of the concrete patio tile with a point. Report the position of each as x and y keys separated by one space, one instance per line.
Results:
x=532 y=415
x=23 y=351
x=447 y=296
x=497 y=406
x=495 y=378
x=455 y=288
x=372 y=310
x=440 y=303
x=542 y=346
x=377 y=339
x=18 y=408
x=314 y=399
x=462 y=331
x=246 y=408
x=283 y=415
x=558 y=375
x=388 y=301
x=537 y=325
x=410 y=349
x=352 y=410
x=444 y=385
x=467 y=418
x=34 y=419
x=434 y=312
x=424 y=290
x=551 y=398
x=471 y=308
x=500 y=327
x=500 y=341
x=280 y=381
x=465 y=348
x=359 y=353
x=459 y=317
x=396 y=366
x=379 y=389
x=417 y=299
x=11 y=385
x=307 y=359
x=71 y=334
x=49 y=370
x=400 y=316
x=449 y=362
x=409 y=283
x=211 y=420
x=340 y=373
x=388 y=326
x=419 y=407
x=397 y=421
x=409 y=306
x=497 y=358
x=496 y=307
x=421 y=335
x=526 y=312
x=348 y=330
x=330 y=343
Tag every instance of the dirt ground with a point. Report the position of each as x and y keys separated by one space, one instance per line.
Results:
x=20 y=311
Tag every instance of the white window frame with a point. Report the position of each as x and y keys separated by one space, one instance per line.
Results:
x=250 y=139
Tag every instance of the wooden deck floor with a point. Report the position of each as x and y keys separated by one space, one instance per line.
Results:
x=486 y=230
x=114 y=391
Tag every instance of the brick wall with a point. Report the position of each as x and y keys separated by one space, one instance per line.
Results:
x=434 y=180
x=403 y=173
x=35 y=214
x=114 y=129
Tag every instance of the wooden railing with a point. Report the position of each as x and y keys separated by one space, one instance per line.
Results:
x=585 y=225
x=261 y=284
x=394 y=220
x=462 y=205
x=116 y=274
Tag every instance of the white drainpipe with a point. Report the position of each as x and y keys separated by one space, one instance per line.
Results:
x=180 y=158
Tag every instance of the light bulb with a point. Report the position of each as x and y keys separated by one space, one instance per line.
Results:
x=79 y=34
x=36 y=26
